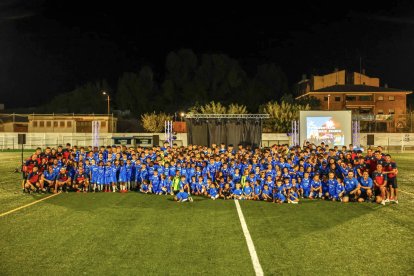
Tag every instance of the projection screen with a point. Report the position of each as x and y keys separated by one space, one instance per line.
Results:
x=331 y=127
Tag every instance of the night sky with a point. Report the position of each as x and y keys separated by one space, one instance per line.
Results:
x=50 y=47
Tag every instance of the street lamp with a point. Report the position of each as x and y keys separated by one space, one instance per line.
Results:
x=108 y=99
x=182 y=114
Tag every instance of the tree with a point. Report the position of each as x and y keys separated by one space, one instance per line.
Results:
x=313 y=102
x=217 y=108
x=281 y=115
x=84 y=99
x=237 y=109
x=136 y=91
x=154 y=122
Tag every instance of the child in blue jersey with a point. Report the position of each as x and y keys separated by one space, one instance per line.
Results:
x=100 y=176
x=165 y=184
x=279 y=193
x=257 y=191
x=236 y=176
x=306 y=185
x=183 y=196
x=299 y=188
x=114 y=179
x=332 y=183
x=266 y=193
x=128 y=168
x=237 y=192
x=316 y=187
x=340 y=190
x=212 y=192
x=144 y=188
x=155 y=183
x=185 y=184
x=248 y=191
x=108 y=177
x=122 y=177
x=193 y=184
x=325 y=187
x=293 y=196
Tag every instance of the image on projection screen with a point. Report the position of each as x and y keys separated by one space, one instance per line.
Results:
x=332 y=128
x=324 y=129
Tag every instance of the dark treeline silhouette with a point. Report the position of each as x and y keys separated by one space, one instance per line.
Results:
x=189 y=79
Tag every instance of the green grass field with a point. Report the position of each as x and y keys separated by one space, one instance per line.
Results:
x=135 y=234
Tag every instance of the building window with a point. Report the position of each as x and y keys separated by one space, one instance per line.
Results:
x=103 y=124
x=380 y=98
x=350 y=98
x=34 y=123
x=365 y=98
x=55 y=124
x=325 y=98
x=391 y=111
x=380 y=111
x=62 y=124
x=41 y=124
x=337 y=99
x=391 y=98
x=69 y=124
x=48 y=123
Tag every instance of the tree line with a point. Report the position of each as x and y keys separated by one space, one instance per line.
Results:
x=189 y=80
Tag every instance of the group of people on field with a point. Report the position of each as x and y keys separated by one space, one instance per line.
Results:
x=279 y=174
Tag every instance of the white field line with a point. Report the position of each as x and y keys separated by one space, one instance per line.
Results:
x=255 y=260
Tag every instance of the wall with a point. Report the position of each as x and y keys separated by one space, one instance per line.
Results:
x=365 y=80
x=8 y=140
x=329 y=80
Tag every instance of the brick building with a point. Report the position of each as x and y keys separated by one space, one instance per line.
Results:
x=378 y=108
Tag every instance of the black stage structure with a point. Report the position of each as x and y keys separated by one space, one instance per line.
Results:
x=230 y=129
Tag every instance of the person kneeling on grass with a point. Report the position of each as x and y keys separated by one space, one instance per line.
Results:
x=81 y=181
x=366 y=187
x=48 y=178
x=183 y=196
x=352 y=190
x=33 y=181
x=63 y=181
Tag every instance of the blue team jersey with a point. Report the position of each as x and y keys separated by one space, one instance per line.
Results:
x=237 y=192
x=182 y=195
x=49 y=176
x=257 y=189
x=332 y=183
x=306 y=183
x=350 y=184
x=247 y=190
x=212 y=191
x=366 y=183
x=316 y=184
